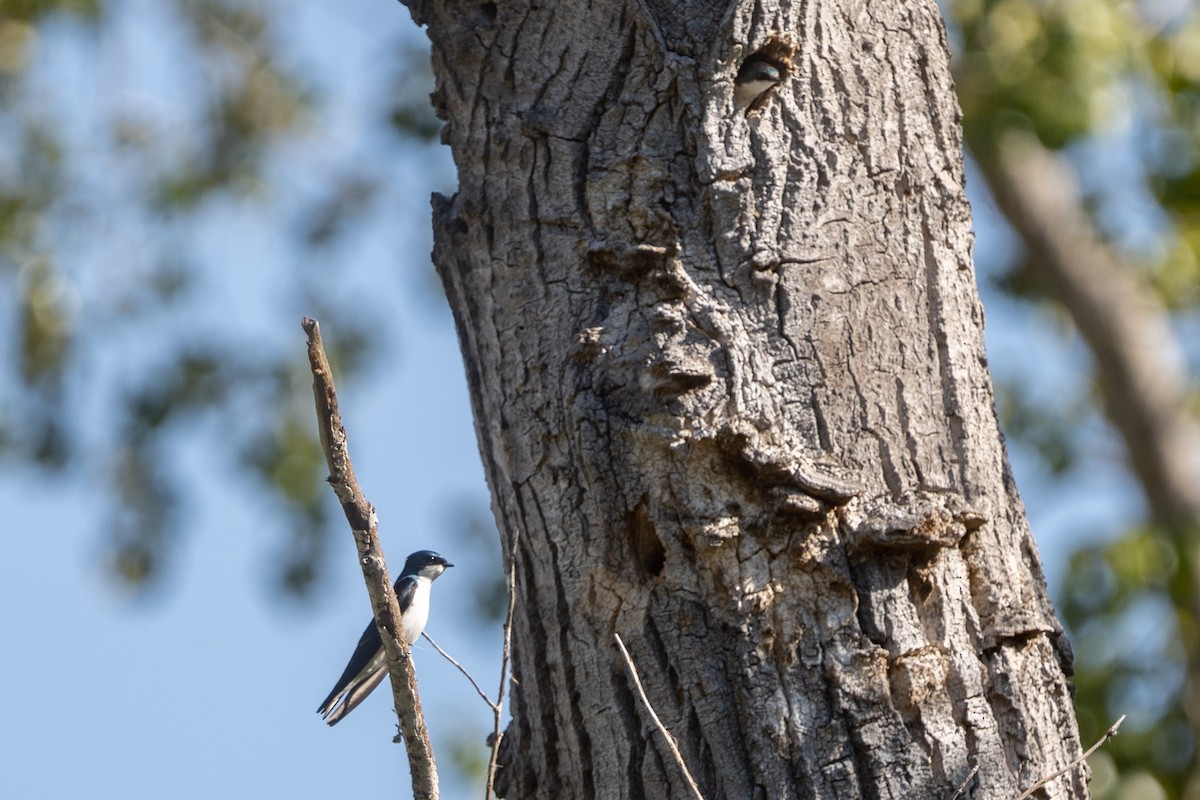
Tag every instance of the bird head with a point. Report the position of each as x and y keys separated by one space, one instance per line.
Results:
x=426 y=564
x=755 y=78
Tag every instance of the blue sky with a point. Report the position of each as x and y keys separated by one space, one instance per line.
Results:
x=209 y=687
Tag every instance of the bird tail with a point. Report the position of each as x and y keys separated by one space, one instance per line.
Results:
x=342 y=701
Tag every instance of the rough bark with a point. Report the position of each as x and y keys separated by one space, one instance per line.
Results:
x=729 y=384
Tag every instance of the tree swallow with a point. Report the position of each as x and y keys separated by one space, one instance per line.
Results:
x=756 y=76
x=368 y=665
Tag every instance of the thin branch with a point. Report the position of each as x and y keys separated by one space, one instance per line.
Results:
x=637 y=681
x=505 y=659
x=461 y=669
x=497 y=706
x=963 y=786
x=1108 y=734
x=364 y=525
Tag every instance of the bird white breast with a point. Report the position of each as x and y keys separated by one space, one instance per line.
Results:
x=417 y=614
x=746 y=93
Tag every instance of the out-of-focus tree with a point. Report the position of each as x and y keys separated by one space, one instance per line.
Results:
x=132 y=132
x=1084 y=120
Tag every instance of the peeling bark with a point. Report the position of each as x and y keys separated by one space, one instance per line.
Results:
x=729 y=383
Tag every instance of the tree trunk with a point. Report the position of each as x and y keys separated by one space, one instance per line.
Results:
x=732 y=401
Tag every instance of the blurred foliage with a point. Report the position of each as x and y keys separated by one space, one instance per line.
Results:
x=1097 y=79
x=474 y=531
x=1045 y=429
x=1129 y=606
x=133 y=133
x=1115 y=87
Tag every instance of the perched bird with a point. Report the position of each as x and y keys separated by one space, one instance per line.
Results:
x=755 y=77
x=368 y=665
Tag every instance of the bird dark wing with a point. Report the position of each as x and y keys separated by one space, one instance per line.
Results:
x=357 y=680
x=368 y=646
x=405 y=587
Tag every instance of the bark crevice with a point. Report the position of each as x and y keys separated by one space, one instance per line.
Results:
x=737 y=361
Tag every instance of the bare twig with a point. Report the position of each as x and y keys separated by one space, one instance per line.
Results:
x=1108 y=734
x=497 y=706
x=963 y=786
x=671 y=744
x=461 y=669
x=505 y=659
x=363 y=524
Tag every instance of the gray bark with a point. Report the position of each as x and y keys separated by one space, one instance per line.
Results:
x=729 y=385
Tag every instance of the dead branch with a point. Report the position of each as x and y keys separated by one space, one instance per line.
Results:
x=505 y=660
x=674 y=748
x=1108 y=734
x=963 y=786
x=461 y=669
x=364 y=525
